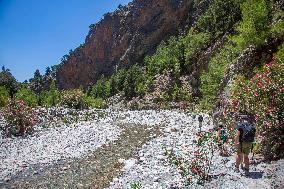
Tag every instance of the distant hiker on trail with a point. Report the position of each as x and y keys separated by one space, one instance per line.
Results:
x=223 y=139
x=200 y=119
x=217 y=114
x=244 y=141
x=216 y=118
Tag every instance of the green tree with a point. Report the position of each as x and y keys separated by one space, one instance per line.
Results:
x=98 y=89
x=4 y=69
x=9 y=81
x=119 y=79
x=4 y=95
x=47 y=71
x=92 y=26
x=193 y=44
x=169 y=56
x=52 y=97
x=220 y=17
x=37 y=76
x=254 y=28
x=107 y=88
x=28 y=96
x=134 y=83
x=112 y=85
x=210 y=80
x=54 y=68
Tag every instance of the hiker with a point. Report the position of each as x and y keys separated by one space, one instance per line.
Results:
x=223 y=135
x=244 y=140
x=200 y=119
x=216 y=118
x=223 y=139
x=217 y=114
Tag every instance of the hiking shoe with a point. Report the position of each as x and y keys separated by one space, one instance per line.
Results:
x=246 y=172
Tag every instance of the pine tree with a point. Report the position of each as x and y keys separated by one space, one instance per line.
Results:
x=47 y=71
x=37 y=75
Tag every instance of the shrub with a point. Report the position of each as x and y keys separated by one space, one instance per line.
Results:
x=263 y=97
x=210 y=81
x=98 y=90
x=4 y=95
x=135 y=185
x=220 y=17
x=134 y=82
x=169 y=56
x=19 y=117
x=193 y=44
x=95 y=103
x=28 y=96
x=176 y=53
x=177 y=94
x=73 y=99
x=196 y=165
x=51 y=97
x=254 y=28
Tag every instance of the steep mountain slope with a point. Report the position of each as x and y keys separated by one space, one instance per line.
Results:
x=124 y=37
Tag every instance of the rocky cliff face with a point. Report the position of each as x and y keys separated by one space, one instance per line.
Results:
x=124 y=37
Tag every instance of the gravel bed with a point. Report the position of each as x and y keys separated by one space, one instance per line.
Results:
x=152 y=169
x=93 y=171
x=50 y=145
x=108 y=152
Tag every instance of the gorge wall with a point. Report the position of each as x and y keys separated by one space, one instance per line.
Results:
x=124 y=37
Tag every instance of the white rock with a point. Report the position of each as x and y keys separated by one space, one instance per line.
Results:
x=120 y=160
x=167 y=130
x=129 y=163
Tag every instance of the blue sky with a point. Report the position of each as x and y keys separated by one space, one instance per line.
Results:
x=35 y=34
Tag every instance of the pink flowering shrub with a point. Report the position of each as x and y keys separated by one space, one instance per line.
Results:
x=196 y=166
x=263 y=97
x=201 y=162
x=19 y=118
x=73 y=99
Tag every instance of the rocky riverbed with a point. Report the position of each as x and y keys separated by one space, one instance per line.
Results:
x=117 y=149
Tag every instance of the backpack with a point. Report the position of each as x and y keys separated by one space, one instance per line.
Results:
x=224 y=136
x=247 y=132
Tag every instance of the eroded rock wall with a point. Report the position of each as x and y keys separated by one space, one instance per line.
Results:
x=124 y=37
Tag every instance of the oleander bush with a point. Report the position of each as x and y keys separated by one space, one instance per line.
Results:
x=19 y=118
x=73 y=99
x=196 y=165
x=263 y=97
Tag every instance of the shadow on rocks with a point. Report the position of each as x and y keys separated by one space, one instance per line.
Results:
x=255 y=175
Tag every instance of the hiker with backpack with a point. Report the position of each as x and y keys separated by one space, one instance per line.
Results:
x=244 y=141
x=223 y=137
